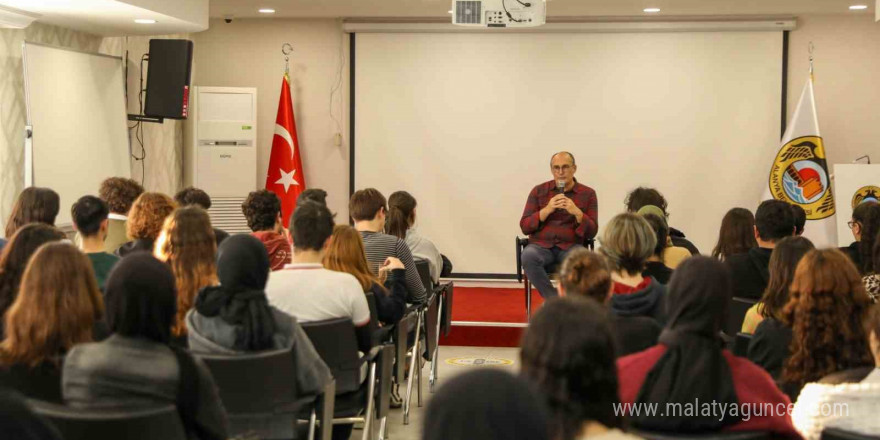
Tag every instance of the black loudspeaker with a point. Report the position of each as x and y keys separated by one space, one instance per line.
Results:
x=168 y=78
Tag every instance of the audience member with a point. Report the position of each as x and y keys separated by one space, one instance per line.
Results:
x=346 y=254
x=585 y=273
x=58 y=307
x=800 y=219
x=312 y=194
x=627 y=242
x=368 y=210
x=89 y=215
x=568 y=352
x=486 y=404
x=235 y=317
x=262 y=209
x=670 y=255
x=860 y=397
x=188 y=245
x=737 y=234
x=194 y=196
x=33 y=205
x=400 y=223
x=783 y=261
x=18 y=422
x=119 y=193
x=872 y=280
x=825 y=311
x=144 y=222
x=749 y=270
x=307 y=290
x=864 y=225
x=689 y=365
x=654 y=265
x=15 y=257
x=136 y=366
x=643 y=196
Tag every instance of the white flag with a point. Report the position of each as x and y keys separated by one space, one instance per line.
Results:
x=799 y=174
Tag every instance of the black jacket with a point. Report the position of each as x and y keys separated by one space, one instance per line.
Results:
x=768 y=348
x=853 y=252
x=634 y=333
x=658 y=271
x=678 y=239
x=139 y=245
x=391 y=301
x=749 y=272
x=649 y=302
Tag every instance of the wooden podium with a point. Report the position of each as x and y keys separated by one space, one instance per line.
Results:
x=853 y=184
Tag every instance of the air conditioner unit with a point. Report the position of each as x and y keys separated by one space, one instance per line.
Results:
x=220 y=156
x=499 y=13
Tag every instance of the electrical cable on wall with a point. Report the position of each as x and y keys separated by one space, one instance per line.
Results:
x=335 y=89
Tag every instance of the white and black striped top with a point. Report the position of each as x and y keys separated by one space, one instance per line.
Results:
x=379 y=246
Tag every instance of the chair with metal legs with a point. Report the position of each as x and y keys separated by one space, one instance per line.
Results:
x=521 y=277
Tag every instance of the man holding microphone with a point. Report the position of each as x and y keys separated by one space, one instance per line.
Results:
x=558 y=217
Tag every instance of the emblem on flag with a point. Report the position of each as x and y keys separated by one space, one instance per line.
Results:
x=868 y=193
x=798 y=176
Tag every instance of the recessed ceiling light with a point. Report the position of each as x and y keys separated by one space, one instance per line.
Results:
x=144 y=21
x=266 y=11
x=651 y=10
x=858 y=7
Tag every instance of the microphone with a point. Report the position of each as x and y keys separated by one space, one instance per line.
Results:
x=560 y=185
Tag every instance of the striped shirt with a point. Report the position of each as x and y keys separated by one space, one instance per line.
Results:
x=379 y=246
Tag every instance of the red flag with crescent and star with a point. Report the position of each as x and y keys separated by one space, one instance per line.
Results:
x=285 y=174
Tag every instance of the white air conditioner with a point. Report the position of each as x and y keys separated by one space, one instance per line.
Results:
x=499 y=13
x=220 y=156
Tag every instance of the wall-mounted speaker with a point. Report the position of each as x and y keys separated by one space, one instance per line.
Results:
x=168 y=78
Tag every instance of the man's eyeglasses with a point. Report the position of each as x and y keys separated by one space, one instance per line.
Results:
x=851 y=223
x=563 y=168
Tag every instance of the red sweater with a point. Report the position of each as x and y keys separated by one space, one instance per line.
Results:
x=752 y=384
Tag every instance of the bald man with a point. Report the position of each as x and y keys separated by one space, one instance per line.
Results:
x=559 y=216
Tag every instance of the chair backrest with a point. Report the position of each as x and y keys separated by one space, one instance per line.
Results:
x=335 y=340
x=741 y=344
x=161 y=422
x=424 y=269
x=730 y=435
x=736 y=313
x=839 y=434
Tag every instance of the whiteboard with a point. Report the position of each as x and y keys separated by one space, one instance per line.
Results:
x=76 y=107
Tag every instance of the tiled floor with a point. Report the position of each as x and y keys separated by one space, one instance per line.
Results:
x=398 y=431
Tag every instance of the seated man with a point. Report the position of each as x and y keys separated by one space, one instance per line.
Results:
x=262 y=209
x=750 y=270
x=368 y=209
x=89 y=215
x=191 y=196
x=556 y=221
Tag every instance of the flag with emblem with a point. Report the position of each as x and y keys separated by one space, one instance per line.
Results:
x=285 y=174
x=799 y=173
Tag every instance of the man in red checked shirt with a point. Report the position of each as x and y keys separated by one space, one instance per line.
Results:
x=558 y=217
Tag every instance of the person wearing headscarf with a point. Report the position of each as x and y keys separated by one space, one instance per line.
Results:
x=690 y=367
x=235 y=317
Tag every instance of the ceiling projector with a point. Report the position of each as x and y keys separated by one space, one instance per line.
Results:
x=499 y=13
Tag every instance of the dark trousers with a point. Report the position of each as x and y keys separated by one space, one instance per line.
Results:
x=536 y=260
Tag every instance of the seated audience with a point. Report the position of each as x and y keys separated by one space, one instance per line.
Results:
x=57 y=308
x=15 y=257
x=872 y=280
x=312 y=194
x=307 y=290
x=486 y=404
x=627 y=242
x=826 y=311
x=187 y=244
x=654 y=265
x=193 y=196
x=144 y=223
x=119 y=193
x=346 y=254
x=262 y=209
x=33 y=205
x=737 y=234
x=800 y=219
x=136 y=366
x=89 y=215
x=568 y=351
x=783 y=261
x=367 y=209
x=749 y=270
x=235 y=317
x=19 y=422
x=689 y=364
x=585 y=273
x=400 y=223
x=671 y=256
x=643 y=196
x=860 y=397
x=864 y=225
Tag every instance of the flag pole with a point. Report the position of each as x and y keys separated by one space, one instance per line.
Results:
x=810 y=51
x=286 y=50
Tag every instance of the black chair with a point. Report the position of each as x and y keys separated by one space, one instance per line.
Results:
x=733 y=435
x=161 y=422
x=335 y=341
x=521 y=277
x=423 y=267
x=736 y=314
x=741 y=344
x=839 y=434
x=260 y=399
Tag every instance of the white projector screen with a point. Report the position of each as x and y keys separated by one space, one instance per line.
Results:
x=76 y=106
x=467 y=124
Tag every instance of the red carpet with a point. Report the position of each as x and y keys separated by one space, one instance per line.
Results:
x=484 y=304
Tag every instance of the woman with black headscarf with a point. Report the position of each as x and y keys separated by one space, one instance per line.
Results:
x=696 y=384
x=236 y=318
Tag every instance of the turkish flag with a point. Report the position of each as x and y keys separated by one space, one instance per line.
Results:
x=285 y=174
